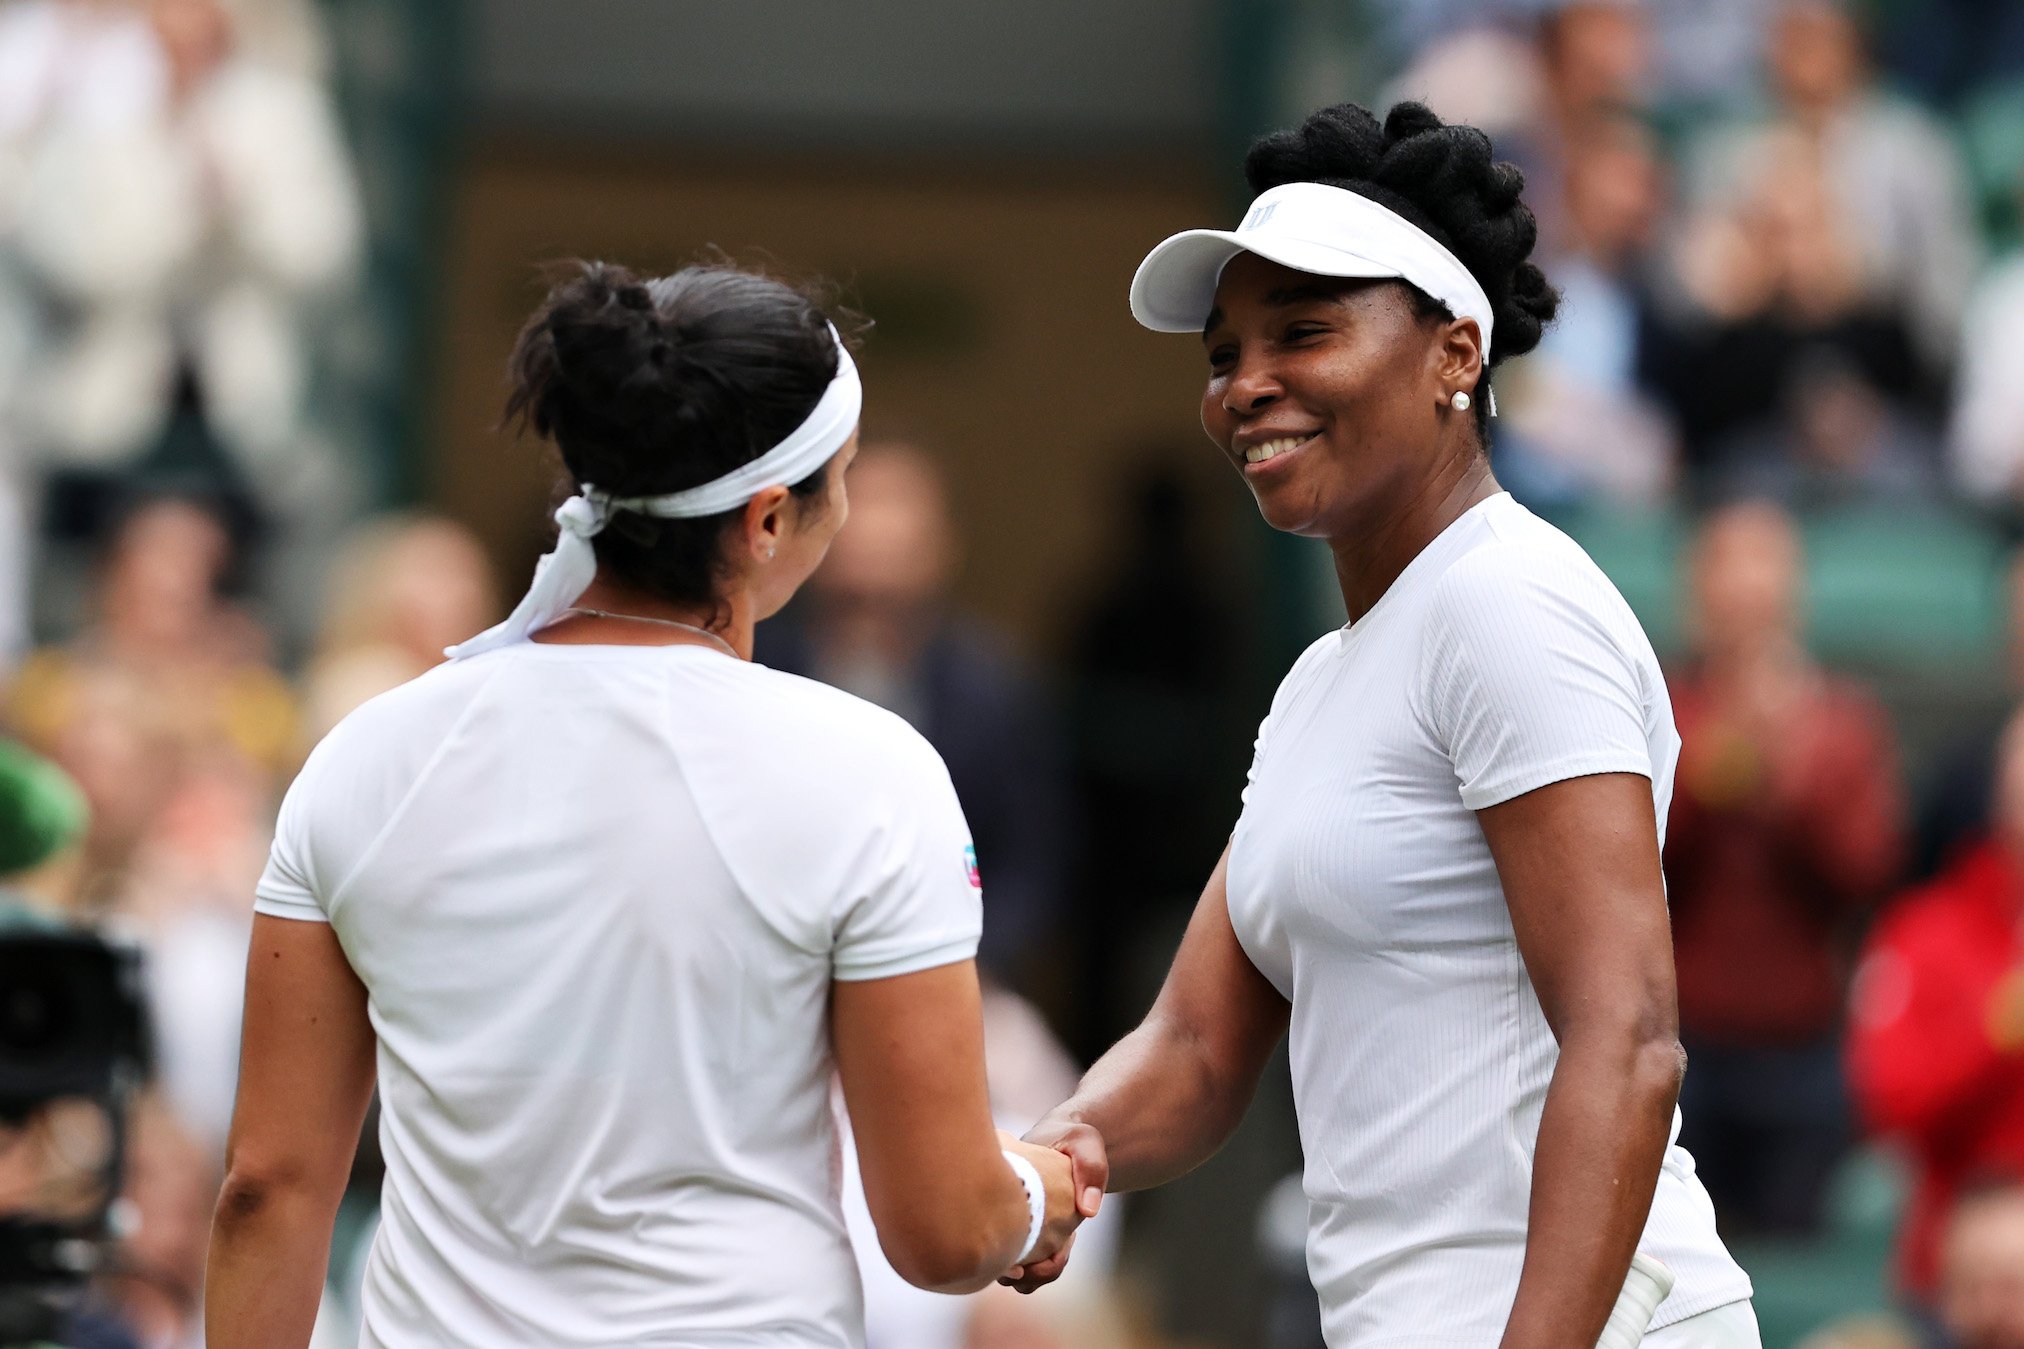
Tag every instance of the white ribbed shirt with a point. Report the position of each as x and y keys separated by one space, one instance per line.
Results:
x=1499 y=661
x=598 y=896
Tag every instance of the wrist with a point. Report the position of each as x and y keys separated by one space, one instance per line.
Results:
x=1036 y=1201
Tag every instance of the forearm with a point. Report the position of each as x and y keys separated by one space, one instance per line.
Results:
x=1159 y=1102
x=1602 y=1137
x=270 y=1248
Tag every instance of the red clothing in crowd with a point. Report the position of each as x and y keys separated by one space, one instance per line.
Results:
x=1770 y=853
x=1923 y=1058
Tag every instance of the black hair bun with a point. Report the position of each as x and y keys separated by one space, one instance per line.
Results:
x=654 y=386
x=1443 y=178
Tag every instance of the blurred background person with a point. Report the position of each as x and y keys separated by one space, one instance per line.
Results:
x=1786 y=825
x=878 y=621
x=155 y=1284
x=1155 y=743
x=179 y=210
x=1985 y=434
x=1954 y=800
x=1936 y=1047
x=1892 y=175
x=167 y=670
x=401 y=590
x=1982 y=1268
x=1789 y=371
x=1583 y=427
x=1595 y=63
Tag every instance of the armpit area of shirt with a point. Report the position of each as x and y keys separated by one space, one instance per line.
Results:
x=1483 y=795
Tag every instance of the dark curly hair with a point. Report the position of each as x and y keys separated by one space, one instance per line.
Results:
x=648 y=386
x=1441 y=177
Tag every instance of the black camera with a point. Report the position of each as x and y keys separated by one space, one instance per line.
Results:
x=73 y=1031
x=71 y=1018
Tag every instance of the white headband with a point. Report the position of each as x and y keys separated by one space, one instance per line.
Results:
x=561 y=577
x=1310 y=227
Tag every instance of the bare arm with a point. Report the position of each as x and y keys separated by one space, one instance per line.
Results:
x=950 y=1214
x=1169 y=1094
x=305 y=1079
x=1579 y=862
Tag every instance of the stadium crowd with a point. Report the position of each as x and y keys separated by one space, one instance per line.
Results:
x=1787 y=233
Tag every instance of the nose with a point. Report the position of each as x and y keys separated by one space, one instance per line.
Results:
x=1252 y=388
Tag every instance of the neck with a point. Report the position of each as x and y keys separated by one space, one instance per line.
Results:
x=1370 y=556
x=733 y=620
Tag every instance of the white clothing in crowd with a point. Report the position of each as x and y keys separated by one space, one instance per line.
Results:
x=1986 y=439
x=153 y=230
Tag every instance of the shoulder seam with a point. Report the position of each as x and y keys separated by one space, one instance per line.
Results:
x=394 y=816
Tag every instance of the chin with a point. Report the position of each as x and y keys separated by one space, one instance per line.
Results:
x=1279 y=510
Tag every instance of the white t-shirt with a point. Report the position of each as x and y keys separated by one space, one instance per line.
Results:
x=598 y=895
x=1499 y=661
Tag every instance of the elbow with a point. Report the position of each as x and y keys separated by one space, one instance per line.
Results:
x=252 y=1195
x=956 y=1244
x=1661 y=1066
x=243 y=1200
x=1645 y=1054
x=952 y=1262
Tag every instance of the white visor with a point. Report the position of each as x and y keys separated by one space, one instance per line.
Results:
x=1310 y=227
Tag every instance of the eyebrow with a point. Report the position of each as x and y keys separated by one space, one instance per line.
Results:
x=1283 y=296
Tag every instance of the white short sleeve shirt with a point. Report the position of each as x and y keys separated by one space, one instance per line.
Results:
x=597 y=896
x=1500 y=660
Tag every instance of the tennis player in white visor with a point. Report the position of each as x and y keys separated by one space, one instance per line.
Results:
x=603 y=906
x=1445 y=877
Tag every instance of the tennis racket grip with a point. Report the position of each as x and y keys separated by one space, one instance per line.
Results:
x=1643 y=1290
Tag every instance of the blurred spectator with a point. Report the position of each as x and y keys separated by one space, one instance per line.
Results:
x=1986 y=436
x=156 y=1281
x=172 y=208
x=1865 y=1332
x=167 y=671
x=1839 y=441
x=1982 y=1269
x=1785 y=826
x=1580 y=426
x=402 y=589
x=1954 y=804
x=1595 y=56
x=1936 y=1050
x=1895 y=187
x=1786 y=370
x=876 y=620
x=184 y=897
x=1159 y=743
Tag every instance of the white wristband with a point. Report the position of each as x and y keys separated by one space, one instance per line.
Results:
x=1036 y=1200
x=1644 y=1288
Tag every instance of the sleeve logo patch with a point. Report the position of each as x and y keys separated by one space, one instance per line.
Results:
x=970 y=865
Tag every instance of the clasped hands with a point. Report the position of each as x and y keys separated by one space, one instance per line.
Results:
x=1075 y=1169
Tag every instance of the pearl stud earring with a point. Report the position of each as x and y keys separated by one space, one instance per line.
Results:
x=1460 y=402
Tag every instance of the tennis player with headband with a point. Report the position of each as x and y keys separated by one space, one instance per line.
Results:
x=1445 y=877
x=609 y=903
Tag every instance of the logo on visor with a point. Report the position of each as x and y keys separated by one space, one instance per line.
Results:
x=1258 y=215
x=970 y=864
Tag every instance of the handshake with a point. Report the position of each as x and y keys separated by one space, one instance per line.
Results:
x=1074 y=1170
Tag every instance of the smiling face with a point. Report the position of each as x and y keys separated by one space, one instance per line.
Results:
x=1331 y=396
